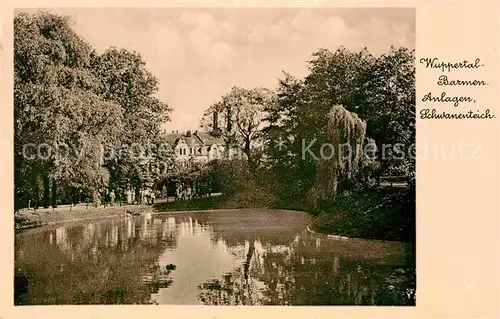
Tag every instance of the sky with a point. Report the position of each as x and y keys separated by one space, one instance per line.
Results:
x=199 y=54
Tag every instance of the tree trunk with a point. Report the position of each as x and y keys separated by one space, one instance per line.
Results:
x=46 y=191
x=54 y=194
x=35 y=194
x=246 y=149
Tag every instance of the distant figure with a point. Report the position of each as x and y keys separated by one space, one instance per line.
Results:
x=164 y=191
x=143 y=195
x=119 y=196
x=112 y=197
x=129 y=197
x=177 y=193
x=188 y=192
x=153 y=197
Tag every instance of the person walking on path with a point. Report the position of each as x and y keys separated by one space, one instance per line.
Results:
x=143 y=195
x=129 y=196
x=112 y=197
x=153 y=197
x=177 y=193
x=147 y=196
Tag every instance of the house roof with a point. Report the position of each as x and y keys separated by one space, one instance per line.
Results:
x=196 y=139
x=209 y=139
x=191 y=140
x=172 y=138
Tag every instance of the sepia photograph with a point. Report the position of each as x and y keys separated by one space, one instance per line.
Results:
x=214 y=156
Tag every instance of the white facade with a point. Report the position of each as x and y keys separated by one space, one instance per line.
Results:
x=199 y=148
x=198 y=152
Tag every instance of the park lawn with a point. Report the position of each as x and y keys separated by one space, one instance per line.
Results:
x=204 y=203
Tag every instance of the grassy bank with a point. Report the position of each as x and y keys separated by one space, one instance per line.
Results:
x=219 y=202
x=386 y=214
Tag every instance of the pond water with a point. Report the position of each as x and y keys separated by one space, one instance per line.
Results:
x=239 y=257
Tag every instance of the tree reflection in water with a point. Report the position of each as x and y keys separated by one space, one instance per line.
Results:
x=229 y=258
x=235 y=288
x=95 y=263
x=302 y=274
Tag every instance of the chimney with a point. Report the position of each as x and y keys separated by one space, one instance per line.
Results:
x=216 y=121
x=176 y=131
x=173 y=131
x=228 y=120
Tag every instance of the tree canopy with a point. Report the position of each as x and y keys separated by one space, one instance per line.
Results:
x=239 y=117
x=76 y=105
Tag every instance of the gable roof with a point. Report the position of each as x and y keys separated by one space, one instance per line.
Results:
x=191 y=141
x=209 y=139
x=172 y=138
x=195 y=140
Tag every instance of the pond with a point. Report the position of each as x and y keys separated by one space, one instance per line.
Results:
x=227 y=257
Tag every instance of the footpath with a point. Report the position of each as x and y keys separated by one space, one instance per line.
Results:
x=29 y=218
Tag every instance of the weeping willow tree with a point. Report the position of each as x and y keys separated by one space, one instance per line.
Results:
x=345 y=136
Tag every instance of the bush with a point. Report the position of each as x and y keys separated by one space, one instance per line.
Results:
x=387 y=214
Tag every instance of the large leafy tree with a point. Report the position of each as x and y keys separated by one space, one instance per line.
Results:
x=238 y=117
x=346 y=134
x=125 y=80
x=387 y=102
x=284 y=134
x=56 y=102
x=379 y=90
x=80 y=108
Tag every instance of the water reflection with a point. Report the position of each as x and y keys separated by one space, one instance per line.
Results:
x=217 y=258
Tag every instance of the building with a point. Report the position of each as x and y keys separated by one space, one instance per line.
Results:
x=199 y=147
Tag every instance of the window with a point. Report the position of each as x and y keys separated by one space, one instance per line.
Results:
x=180 y=151
x=184 y=151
